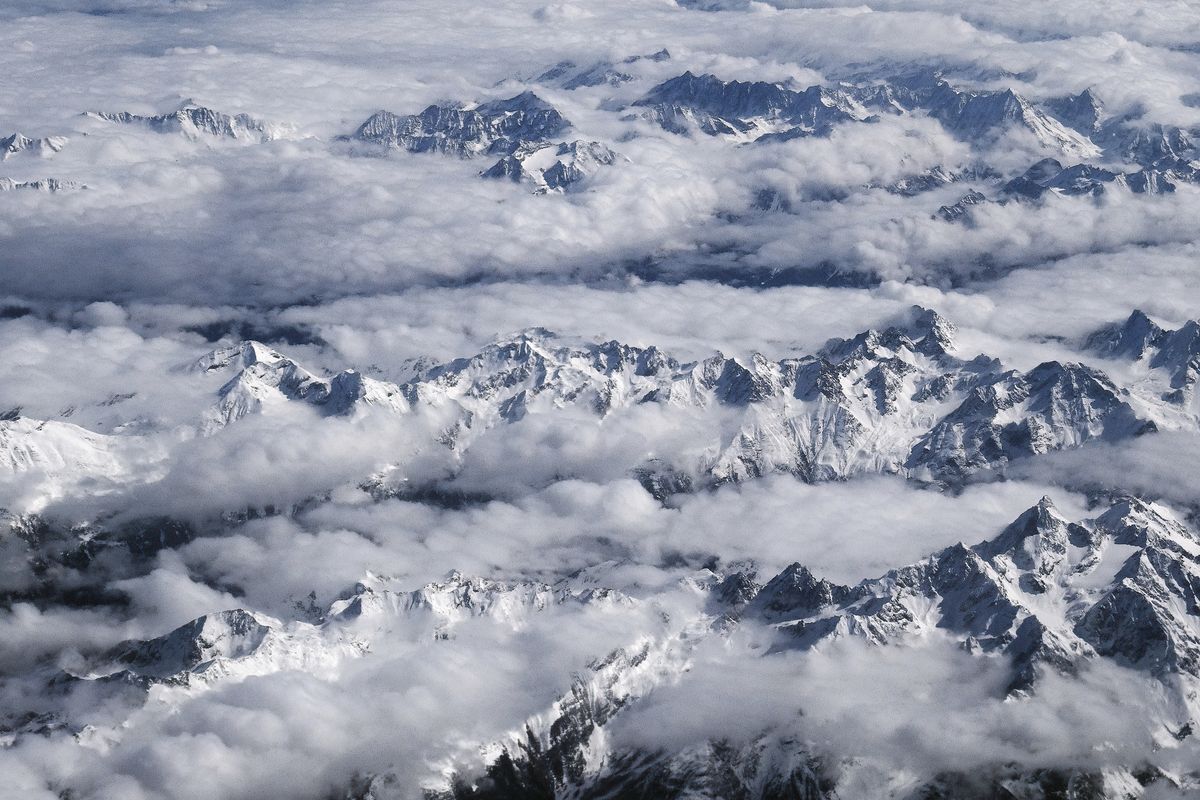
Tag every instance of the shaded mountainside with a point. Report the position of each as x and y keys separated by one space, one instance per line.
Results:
x=495 y=127
x=1122 y=154
x=521 y=130
x=762 y=110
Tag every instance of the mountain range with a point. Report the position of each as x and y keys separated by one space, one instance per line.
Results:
x=899 y=400
x=1045 y=596
x=196 y=122
x=1088 y=151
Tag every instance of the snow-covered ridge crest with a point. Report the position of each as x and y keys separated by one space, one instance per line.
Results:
x=261 y=376
x=195 y=121
x=898 y=400
x=1169 y=358
x=238 y=643
x=570 y=75
x=16 y=144
x=493 y=127
x=762 y=110
x=553 y=168
x=60 y=458
x=1049 y=593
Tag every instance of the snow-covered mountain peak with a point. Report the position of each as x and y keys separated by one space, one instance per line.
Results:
x=494 y=127
x=1172 y=354
x=570 y=75
x=237 y=356
x=16 y=144
x=260 y=376
x=1082 y=111
x=1036 y=542
x=196 y=122
x=48 y=185
x=553 y=168
x=919 y=331
x=230 y=634
x=1129 y=339
x=1048 y=592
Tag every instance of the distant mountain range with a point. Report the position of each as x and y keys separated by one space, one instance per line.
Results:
x=1089 y=152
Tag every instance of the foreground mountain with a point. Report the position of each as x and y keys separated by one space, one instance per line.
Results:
x=1045 y=600
x=1048 y=593
x=1045 y=595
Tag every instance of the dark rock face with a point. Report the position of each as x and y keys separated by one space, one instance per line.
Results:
x=553 y=168
x=715 y=107
x=1081 y=111
x=1127 y=583
x=796 y=590
x=496 y=127
x=1049 y=174
x=225 y=634
x=1175 y=354
x=959 y=210
x=1131 y=339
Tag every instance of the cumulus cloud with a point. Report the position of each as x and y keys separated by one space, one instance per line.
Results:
x=1157 y=466
x=920 y=708
x=385 y=262
x=267 y=221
